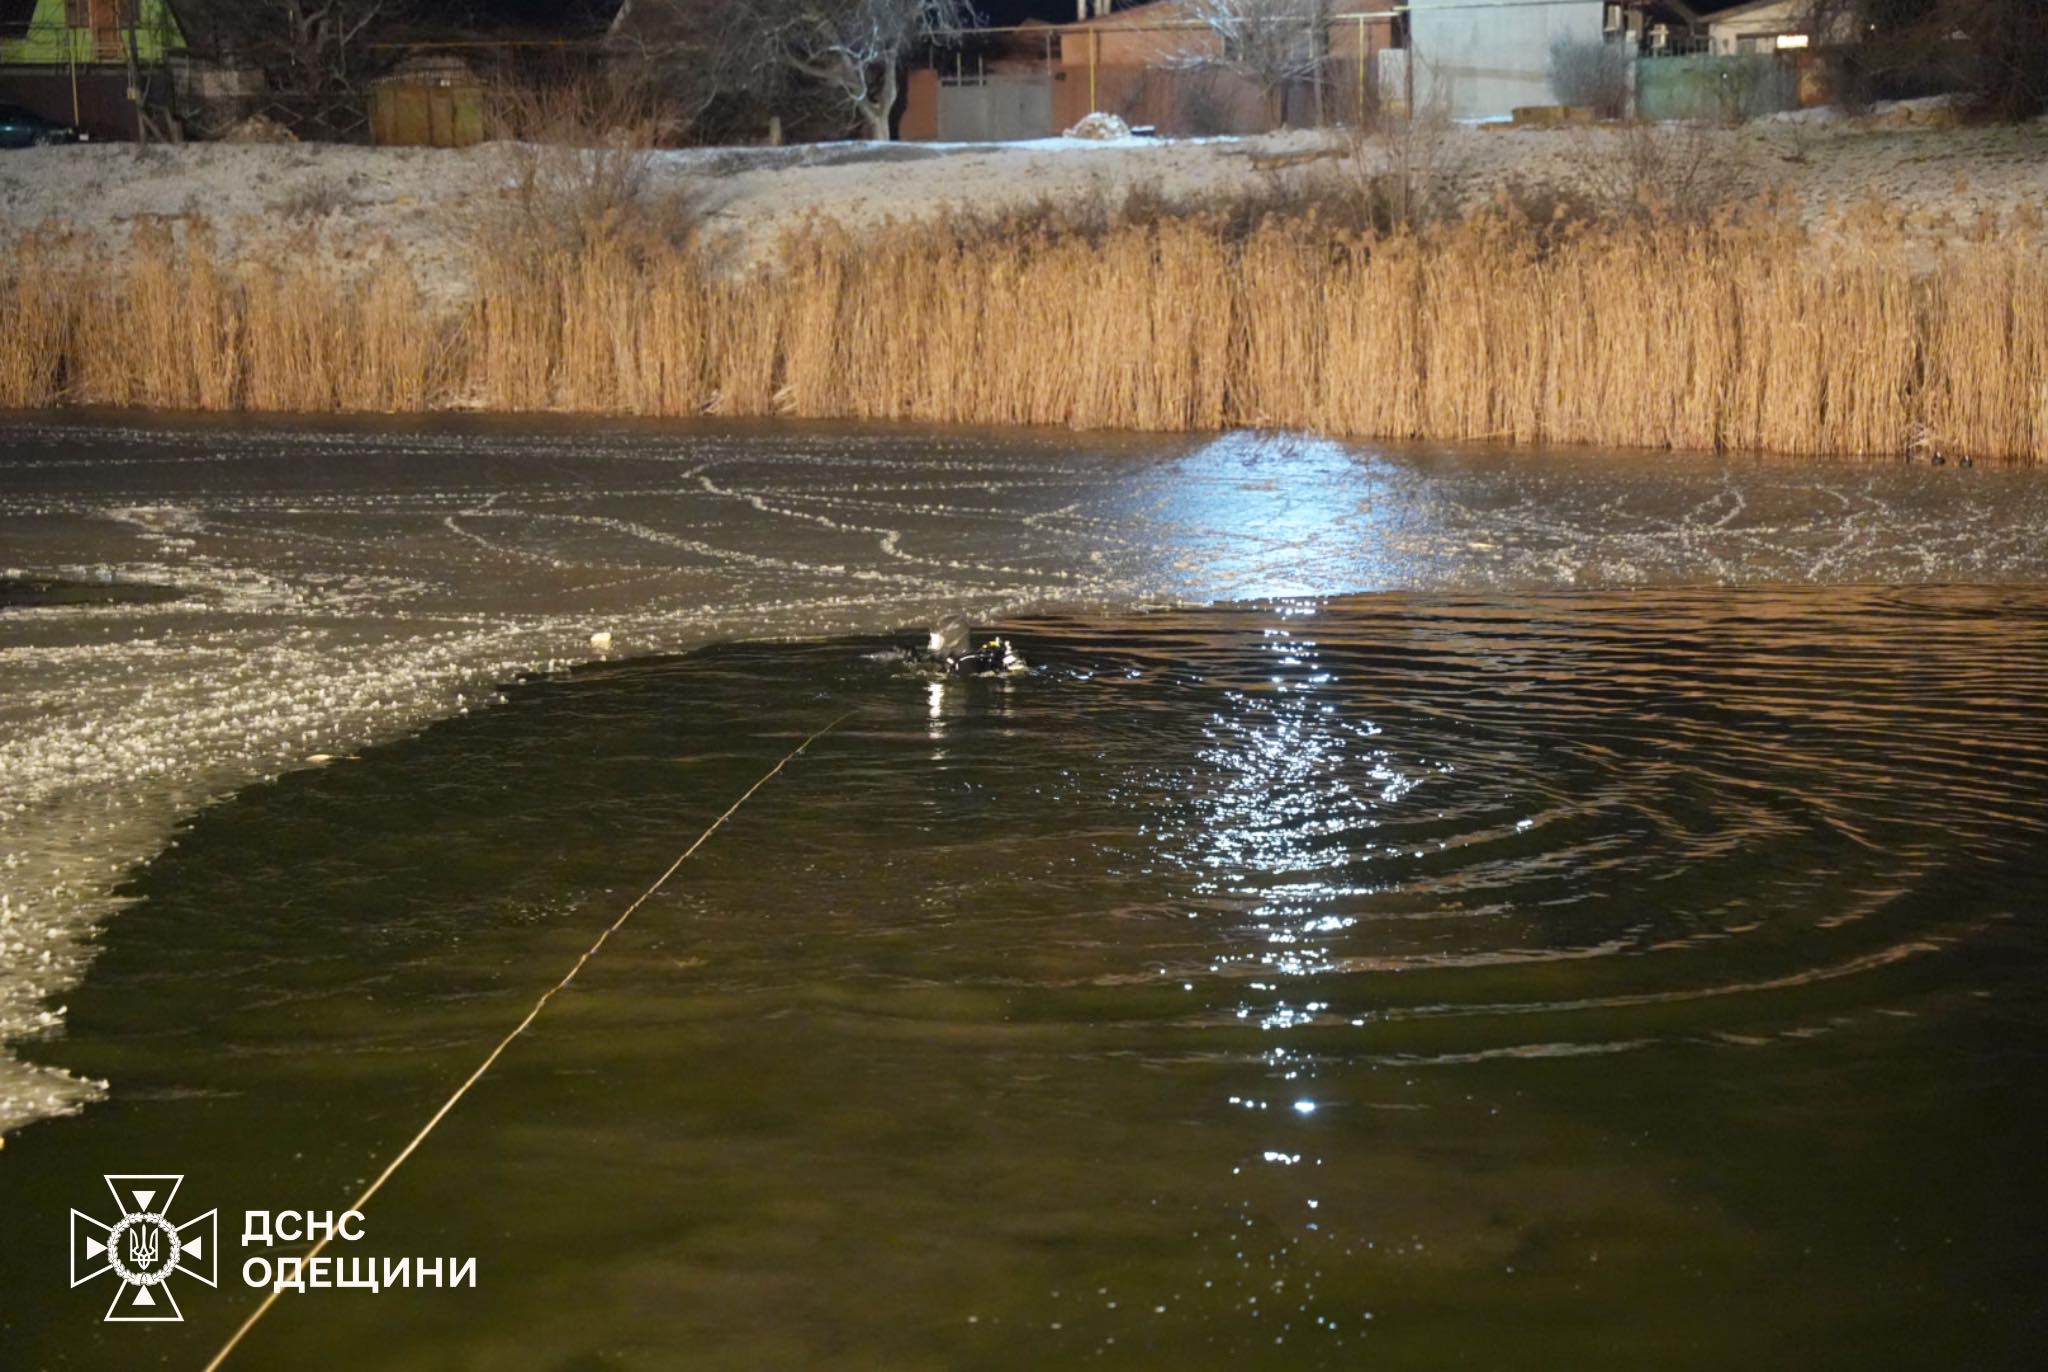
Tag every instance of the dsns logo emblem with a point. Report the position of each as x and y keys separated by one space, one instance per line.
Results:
x=143 y=1248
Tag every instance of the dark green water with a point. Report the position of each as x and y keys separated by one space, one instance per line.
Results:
x=1572 y=981
x=38 y=592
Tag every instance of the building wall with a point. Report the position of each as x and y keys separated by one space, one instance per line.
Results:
x=1474 y=60
x=1162 y=35
x=1179 y=103
x=96 y=102
x=1788 y=16
x=51 y=42
x=1349 y=37
x=1144 y=36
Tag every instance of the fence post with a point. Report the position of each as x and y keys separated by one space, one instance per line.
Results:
x=1358 y=112
x=1319 y=49
x=1094 y=56
x=1052 y=90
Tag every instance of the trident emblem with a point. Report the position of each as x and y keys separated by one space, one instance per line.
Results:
x=143 y=1248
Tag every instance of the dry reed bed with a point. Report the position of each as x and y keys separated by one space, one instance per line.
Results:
x=1742 y=333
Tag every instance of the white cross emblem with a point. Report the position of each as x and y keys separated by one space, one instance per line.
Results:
x=143 y=1248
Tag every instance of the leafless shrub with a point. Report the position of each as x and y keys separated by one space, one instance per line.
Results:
x=1204 y=111
x=1132 y=101
x=617 y=106
x=1549 y=209
x=315 y=199
x=563 y=198
x=1593 y=75
x=1312 y=205
x=1420 y=179
x=1680 y=171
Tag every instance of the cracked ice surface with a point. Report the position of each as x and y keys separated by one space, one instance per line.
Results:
x=351 y=583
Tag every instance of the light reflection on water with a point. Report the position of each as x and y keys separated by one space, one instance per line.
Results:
x=1525 y=981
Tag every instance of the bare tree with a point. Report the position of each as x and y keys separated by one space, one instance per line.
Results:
x=309 y=50
x=852 y=50
x=1270 y=43
x=318 y=36
x=1992 y=52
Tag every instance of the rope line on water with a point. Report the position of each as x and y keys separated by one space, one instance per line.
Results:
x=520 y=1028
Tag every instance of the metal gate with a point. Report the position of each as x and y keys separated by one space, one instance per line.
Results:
x=994 y=108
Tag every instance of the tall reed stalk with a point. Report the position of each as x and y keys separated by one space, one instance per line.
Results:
x=1738 y=332
x=36 y=320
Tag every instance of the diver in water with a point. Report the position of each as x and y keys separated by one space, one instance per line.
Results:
x=950 y=649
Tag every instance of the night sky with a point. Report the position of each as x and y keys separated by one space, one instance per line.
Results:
x=1017 y=11
x=583 y=16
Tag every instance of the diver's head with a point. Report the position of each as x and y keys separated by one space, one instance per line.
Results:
x=948 y=636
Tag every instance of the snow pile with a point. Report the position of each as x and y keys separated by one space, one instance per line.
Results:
x=1101 y=127
x=1931 y=111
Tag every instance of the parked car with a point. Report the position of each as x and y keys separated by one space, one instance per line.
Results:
x=20 y=128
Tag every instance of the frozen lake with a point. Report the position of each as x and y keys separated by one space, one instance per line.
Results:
x=332 y=586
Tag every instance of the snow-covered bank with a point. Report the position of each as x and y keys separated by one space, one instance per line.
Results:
x=349 y=203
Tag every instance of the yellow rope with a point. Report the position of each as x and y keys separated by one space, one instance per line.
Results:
x=520 y=1028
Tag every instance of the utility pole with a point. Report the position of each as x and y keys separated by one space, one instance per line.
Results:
x=1319 y=54
x=1408 y=78
x=71 y=56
